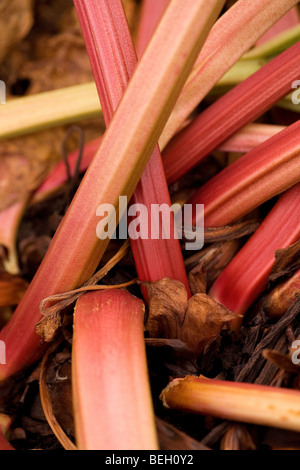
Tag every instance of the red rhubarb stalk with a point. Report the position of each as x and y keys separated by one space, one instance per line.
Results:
x=240 y=106
x=4 y=444
x=245 y=277
x=250 y=137
x=232 y=35
x=257 y=176
x=112 y=399
x=113 y=62
x=76 y=249
x=151 y=13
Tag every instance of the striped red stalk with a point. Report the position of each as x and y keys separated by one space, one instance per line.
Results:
x=240 y=106
x=250 y=137
x=233 y=34
x=104 y=24
x=257 y=176
x=151 y=13
x=245 y=277
x=76 y=249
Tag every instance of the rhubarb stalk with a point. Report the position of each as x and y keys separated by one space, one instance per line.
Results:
x=112 y=399
x=113 y=62
x=264 y=172
x=245 y=277
x=248 y=403
x=240 y=106
x=151 y=13
x=233 y=34
x=115 y=170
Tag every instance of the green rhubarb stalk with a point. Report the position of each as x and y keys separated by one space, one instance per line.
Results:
x=49 y=109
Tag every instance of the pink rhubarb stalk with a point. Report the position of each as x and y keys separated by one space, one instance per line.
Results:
x=241 y=105
x=112 y=399
x=250 y=137
x=76 y=249
x=289 y=20
x=257 y=176
x=233 y=34
x=113 y=62
x=151 y=13
x=245 y=277
x=248 y=403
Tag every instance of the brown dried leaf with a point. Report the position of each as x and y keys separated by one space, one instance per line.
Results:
x=12 y=289
x=16 y=18
x=287 y=261
x=213 y=259
x=170 y=438
x=14 y=177
x=276 y=302
x=237 y=437
x=196 y=321
x=230 y=232
x=167 y=300
x=197 y=280
x=282 y=361
x=203 y=321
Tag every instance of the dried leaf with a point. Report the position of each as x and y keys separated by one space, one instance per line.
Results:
x=287 y=260
x=12 y=289
x=197 y=279
x=213 y=259
x=170 y=438
x=237 y=437
x=196 y=321
x=16 y=18
x=282 y=361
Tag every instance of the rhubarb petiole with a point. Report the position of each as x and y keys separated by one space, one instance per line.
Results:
x=113 y=62
x=290 y=19
x=151 y=13
x=245 y=277
x=228 y=114
x=49 y=109
x=264 y=172
x=112 y=399
x=232 y=35
x=250 y=137
x=248 y=403
x=76 y=250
